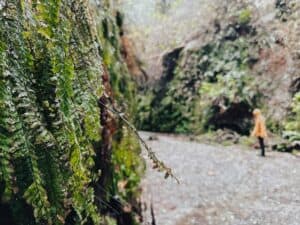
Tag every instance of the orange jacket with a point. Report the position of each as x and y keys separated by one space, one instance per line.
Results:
x=260 y=129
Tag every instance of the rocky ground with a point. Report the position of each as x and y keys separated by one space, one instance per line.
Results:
x=222 y=185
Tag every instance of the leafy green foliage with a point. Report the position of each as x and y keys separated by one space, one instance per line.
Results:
x=109 y=27
x=292 y=125
x=50 y=82
x=210 y=87
x=226 y=92
x=128 y=167
x=126 y=164
x=245 y=16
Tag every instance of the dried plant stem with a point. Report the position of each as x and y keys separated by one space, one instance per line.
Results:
x=157 y=164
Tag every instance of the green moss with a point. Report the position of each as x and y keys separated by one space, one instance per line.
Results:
x=247 y=141
x=50 y=83
x=127 y=165
x=291 y=130
x=214 y=78
x=294 y=124
x=245 y=16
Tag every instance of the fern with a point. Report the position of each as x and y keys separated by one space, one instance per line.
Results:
x=50 y=82
x=6 y=169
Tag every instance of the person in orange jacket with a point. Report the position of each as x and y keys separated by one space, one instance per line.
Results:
x=260 y=130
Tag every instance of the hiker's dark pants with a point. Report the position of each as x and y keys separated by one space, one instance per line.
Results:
x=262 y=146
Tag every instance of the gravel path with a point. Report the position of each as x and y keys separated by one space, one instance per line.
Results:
x=222 y=185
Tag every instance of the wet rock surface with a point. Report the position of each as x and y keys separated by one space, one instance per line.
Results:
x=222 y=185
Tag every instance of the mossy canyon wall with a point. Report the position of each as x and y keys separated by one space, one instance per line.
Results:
x=241 y=55
x=64 y=158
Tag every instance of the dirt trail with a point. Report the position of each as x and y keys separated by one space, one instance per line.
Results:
x=222 y=185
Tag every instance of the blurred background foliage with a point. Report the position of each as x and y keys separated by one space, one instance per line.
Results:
x=209 y=73
x=204 y=83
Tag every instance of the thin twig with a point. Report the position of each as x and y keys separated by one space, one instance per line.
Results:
x=158 y=164
x=108 y=205
x=152 y=213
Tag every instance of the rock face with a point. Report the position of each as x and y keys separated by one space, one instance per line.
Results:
x=158 y=26
x=61 y=150
x=245 y=56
